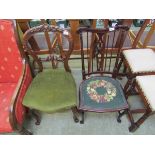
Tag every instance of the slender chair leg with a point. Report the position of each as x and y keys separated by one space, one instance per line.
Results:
x=132 y=90
x=128 y=84
x=120 y=114
x=124 y=69
x=37 y=116
x=82 y=120
x=134 y=126
x=117 y=68
x=75 y=113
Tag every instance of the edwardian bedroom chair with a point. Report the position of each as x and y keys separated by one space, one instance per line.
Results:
x=99 y=91
x=15 y=77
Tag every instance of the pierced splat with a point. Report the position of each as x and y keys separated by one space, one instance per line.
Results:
x=102 y=54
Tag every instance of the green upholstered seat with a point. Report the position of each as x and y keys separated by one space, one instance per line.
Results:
x=102 y=94
x=51 y=90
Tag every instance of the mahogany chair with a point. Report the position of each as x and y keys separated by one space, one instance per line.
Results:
x=145 y=85
x=138 y=61
x=52 y=89
x=15 y=77
x=99 y=91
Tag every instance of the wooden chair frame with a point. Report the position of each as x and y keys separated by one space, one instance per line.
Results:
x=99 y=37
x=147 y=111
x=64 y=56
x=130 y=75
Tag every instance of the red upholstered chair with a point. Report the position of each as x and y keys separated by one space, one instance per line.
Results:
x=15 y=77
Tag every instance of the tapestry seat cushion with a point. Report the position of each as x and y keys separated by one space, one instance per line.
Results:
x=140 y=60
x=147 y=85
x=101 y=94
x=51 y=90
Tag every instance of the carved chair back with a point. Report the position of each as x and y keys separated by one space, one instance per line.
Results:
x=103 y=47
x=54 y=36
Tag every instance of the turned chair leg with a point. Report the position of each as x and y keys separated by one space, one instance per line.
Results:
x=133 y=125
x=128 y=84
x=82 y=120
x=37 y=116
x=75 y=114
x=117 y=69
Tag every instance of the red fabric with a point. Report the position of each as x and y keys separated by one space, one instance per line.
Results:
x=10 y=72
x=6 y=93
x=10 y=58
x=20 y=110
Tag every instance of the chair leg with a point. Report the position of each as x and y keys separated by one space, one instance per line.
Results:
x=135 y=125
x=124 y=69
x=37 y=116
x=75 y=113
x=82 y=120
x=117 y=68
x=24 y=131
x=120 y=114
x=128 y=85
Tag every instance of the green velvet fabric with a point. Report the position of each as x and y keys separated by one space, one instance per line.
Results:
x=102 y=94
x=51 y=90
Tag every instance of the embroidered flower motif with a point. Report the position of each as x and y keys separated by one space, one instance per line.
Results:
x=107 y=97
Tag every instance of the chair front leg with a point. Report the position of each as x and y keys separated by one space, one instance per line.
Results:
x=120 y=114
x=82 y=120
x=135 y=125
x=37 y=116
x=75 y=114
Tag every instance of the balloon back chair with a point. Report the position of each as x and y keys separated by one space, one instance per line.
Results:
x=100 y=91
x=15 y=77
x=52 y=89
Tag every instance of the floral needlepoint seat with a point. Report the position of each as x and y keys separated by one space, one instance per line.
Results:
x=100 y=91
x=101 y=94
